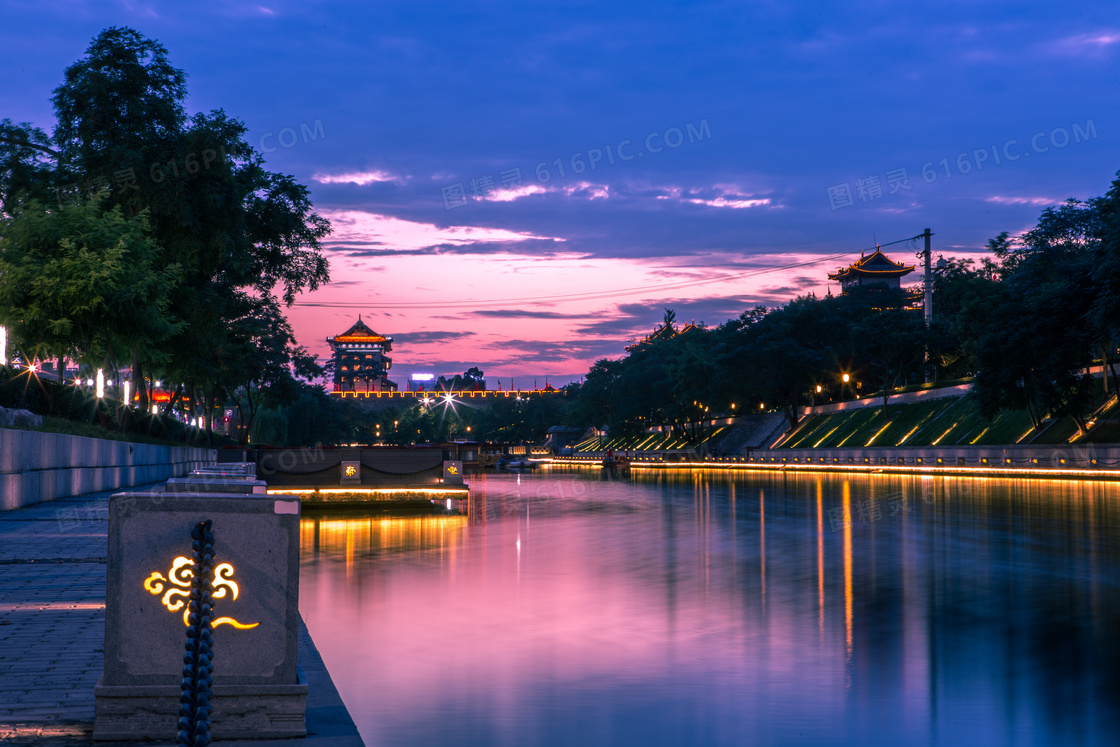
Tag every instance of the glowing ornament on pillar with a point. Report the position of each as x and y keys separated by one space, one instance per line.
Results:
x=175 y=598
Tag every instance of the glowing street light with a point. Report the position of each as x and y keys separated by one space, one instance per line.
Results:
x=818 y=388
x=127 y=392
x=847 y=378
x=100 y=383
x=3 y=346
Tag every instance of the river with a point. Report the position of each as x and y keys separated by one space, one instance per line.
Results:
x=696 y=608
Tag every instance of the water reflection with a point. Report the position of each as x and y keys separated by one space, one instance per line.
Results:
x=716 y=608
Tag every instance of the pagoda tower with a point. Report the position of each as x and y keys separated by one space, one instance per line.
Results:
x=874 y=269
x=361 y=365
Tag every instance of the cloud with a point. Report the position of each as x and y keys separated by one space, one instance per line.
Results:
x=544 y=351
x=361 y=178
x=421 y=338
x=521 y=314
x=631 y=321
x=588 y=191
x=717 y=196
x=368 y=234
x=1090 y=44
x=516 y=193
x=1038 y=201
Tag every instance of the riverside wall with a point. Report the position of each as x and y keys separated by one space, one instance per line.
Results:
x=1061 y=458
x=37 y=467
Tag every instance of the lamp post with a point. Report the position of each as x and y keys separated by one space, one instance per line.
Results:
x=845 y=378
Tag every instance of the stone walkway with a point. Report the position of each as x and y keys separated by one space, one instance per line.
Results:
x=52 y=631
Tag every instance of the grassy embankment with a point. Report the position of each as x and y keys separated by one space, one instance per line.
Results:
x=649 y=442
x=953 y=421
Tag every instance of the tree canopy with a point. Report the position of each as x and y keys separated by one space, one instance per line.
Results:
x=161 y=233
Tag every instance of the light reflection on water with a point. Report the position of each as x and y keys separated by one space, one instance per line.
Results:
x=727 y=608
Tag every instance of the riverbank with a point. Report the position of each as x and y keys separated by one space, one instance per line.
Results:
x=1087 y=462
x=52 y=631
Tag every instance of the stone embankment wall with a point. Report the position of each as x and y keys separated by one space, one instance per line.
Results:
x=37 y=467
x=1070 y=457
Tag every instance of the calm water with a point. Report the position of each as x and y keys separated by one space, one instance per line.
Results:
x=717 y=608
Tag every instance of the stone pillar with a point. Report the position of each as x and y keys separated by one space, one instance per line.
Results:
x=258 y=690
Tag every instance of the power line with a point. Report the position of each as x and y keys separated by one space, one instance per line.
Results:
x=597 y=295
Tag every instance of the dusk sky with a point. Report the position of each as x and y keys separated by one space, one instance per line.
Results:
x=728 y=139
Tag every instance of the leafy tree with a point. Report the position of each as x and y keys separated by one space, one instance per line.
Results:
x=266 y=355
x=1105 y=313
x=81 y=282
x=892 y=345
x=1034 y=342
x=231 y=227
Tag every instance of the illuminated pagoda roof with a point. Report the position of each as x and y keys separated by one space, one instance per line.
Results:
x=664 y=332
x=360 y=333
x=874 y=266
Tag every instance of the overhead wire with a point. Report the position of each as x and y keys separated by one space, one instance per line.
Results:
x=570 y=297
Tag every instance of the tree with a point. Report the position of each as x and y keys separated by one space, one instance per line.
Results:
x=1105 y=313
x=1034 y=340
x=266 y=357
x=892 y=345
x=216 y=213
x=81 y=282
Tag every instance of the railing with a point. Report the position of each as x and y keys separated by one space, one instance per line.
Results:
x=437 y=395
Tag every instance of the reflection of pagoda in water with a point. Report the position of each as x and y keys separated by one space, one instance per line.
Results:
x=875 y=269
x=360 y=360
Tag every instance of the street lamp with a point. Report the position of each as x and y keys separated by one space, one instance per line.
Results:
x=845 y=378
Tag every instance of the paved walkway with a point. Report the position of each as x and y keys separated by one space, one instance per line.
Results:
x=52 y=631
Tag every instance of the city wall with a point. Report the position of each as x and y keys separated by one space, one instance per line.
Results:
x=37 y=467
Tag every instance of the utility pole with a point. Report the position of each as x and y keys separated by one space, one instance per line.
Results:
x=927 y=258
x=927 y=306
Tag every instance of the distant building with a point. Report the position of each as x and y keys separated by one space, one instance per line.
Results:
x=421 y=382
x=360 y=361
x=875 y=269
x=663 y=332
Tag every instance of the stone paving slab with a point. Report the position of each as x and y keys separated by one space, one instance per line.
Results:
x=52 y=632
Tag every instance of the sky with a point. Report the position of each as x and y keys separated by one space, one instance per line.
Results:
x=526 y=186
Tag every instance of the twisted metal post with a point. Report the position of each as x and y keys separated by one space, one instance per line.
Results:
x=194 y=702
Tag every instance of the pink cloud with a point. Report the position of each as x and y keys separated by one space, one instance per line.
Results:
x=516 y=193
x=361 y=178
x=1022 y=200
x=359 y=228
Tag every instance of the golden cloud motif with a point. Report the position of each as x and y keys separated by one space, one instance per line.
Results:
x=177 y=594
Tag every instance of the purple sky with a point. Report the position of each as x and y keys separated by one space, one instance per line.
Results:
x=775 y=110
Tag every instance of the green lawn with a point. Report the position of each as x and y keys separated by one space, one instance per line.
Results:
x=953 y=421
